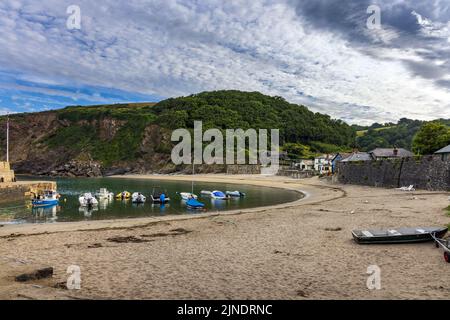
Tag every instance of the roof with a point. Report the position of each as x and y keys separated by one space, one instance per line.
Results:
x=389 y=153
x=326 y=156
x=444 y=150
x=343 y=155
x=358 y=156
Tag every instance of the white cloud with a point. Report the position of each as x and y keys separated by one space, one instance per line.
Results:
x=171 y=48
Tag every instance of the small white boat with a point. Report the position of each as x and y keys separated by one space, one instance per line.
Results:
x=206 y=193
x=88 y=200
x=138 y=197
x=218 y=195
x=188 y=195
x=235 y=194
x=103 y=193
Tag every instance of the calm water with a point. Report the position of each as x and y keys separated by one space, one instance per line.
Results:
x=70 y=190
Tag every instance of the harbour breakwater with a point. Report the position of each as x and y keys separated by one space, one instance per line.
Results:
x=427 y=173
x=23 y=190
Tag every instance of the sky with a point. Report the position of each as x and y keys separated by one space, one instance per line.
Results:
x=320 y=53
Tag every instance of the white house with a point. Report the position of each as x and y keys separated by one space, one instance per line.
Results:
x=305 y=165
x=323 y=164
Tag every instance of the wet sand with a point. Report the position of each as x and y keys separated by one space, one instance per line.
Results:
x=299 y=250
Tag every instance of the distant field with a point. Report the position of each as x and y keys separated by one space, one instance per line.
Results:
x=363 y=132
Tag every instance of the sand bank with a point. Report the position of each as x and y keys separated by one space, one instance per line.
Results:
x=299 y=250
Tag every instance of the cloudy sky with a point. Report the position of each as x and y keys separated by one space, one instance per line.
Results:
x=317 y=52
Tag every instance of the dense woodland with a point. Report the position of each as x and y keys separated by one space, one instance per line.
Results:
x=304 y=133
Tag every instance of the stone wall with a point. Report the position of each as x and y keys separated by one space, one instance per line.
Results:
x=428 y=173
x=296 y=174
x=243 y=169
x=23 y=190
x=6 y=174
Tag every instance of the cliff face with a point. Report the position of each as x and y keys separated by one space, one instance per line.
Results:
x=39 y=145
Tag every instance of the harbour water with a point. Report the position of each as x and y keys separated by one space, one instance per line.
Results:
x=70 y=210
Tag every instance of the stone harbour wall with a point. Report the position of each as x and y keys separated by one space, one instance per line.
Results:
x=427 y=173
x=23 y=190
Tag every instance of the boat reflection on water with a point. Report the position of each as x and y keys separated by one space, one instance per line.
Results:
x=162 y=207
x=88 y=211
x=218 y=204
x=104 y=203
x=47 y=214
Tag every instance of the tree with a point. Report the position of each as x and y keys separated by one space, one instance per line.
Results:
x=431 y=137
x=297 y=150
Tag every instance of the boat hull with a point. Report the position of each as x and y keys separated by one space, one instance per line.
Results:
x=44 y=203
x=402 y=235
x=235 y=194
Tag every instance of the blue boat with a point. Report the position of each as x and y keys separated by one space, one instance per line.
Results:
x=218 y=195
x=195 y=204
x=50 y=198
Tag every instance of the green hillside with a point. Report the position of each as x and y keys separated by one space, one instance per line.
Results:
x=389 y=135
x=135 y=137
x=220 y=109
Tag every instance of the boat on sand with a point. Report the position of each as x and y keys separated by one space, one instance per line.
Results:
x=398 y=235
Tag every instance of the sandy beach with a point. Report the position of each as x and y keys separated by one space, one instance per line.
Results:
x=298 y=250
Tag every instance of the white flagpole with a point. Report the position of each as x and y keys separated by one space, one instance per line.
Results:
x=7 y=138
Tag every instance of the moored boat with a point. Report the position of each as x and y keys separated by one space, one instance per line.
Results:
x=218 y=195
x=400 y=235
x=48 y=199
x=138 y=197
x=159 y=196
x=236 y=194
x=103 y=193
x=195 y=204
x=188 y=195
x=206 y=192
x=125 y=195
x=88 y=200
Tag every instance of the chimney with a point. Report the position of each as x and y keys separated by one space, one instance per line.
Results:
x=395 y=152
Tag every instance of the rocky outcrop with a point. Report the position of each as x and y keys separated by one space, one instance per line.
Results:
x=76 y=168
